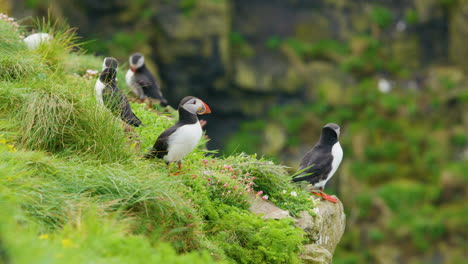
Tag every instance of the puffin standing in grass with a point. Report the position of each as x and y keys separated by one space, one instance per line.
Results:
x=108 y=62
x=114 y=99
x=321 y=162
x=180 y=139
x=142 y=82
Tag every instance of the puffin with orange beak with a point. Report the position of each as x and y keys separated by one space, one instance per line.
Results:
x=180 y=139
x=142 y=82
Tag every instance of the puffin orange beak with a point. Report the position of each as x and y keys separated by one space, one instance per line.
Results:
x=207 y=109
x=133 y=68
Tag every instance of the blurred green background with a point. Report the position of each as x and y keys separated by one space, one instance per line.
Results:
x=392 y=74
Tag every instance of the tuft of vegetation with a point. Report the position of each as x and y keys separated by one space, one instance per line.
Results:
x=73 y=185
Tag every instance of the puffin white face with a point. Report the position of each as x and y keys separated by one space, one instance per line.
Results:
x=195 y=106
x=335 y=128
x=136 y=61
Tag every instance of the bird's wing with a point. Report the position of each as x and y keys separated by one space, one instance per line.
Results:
x=126 y=113
x=111 y=100
x=150 y=86
x=117 y=102
x=315 y=166
x=160 y=147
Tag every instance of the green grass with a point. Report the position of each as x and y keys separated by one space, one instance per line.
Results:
x=73 y=185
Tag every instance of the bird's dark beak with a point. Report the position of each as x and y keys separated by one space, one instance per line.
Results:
x=205 y=109
x=133 y=68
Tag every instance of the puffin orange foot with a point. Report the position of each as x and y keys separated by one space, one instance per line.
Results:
x=317 y=193
x=329 y=198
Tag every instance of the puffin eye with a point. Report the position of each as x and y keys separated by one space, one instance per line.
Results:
x=194 y=102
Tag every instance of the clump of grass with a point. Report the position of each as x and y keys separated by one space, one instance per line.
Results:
x=16 y=61
x=247 y=238
x=273 y=181
x=86 y=194
x=63 y=41
x=59 y=117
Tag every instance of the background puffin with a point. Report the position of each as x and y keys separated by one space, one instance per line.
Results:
x=34 y=40
x=114 y=99
x=108 y=62
x=321 y=162
x=180 y=139
x=142 y=82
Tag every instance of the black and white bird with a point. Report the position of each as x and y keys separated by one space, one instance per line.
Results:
x=142 y=82
x=180 y=139
x=108 y=62
x=321 y=162
x=114 y=99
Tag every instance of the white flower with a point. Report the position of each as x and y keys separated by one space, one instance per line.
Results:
x=284 y=191
x=294 y=194
x=316 y=210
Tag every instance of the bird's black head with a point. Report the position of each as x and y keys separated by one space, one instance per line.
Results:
x=330 y=133
x=194 y=105
x=110 y=62
x=108 y=75
x=136 y=61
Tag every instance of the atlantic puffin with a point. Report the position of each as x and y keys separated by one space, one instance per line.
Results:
x=180 y=139
x=108 y=62
x=321 y=162
x=115 y=100
x=141 y=81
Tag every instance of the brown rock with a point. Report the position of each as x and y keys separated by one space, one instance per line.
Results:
x=267 y=209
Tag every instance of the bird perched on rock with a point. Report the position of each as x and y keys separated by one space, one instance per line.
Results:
x=180 y=139
x=321 y=162
x=142 y=82
x=114 y=99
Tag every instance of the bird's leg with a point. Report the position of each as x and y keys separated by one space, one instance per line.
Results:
x=319 y=193
x=324 y=195
x=150 y=103
x=179 y=164
x=327 y=197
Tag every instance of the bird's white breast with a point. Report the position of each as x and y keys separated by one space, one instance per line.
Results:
x=99 y=87
x=130 y=80
x=183 y=141
x=337 y=153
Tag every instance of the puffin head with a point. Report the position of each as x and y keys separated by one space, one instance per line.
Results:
x=331 y=128
x=109 y=62
x=136 y=60
x=108 y=75
x=194 y=105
